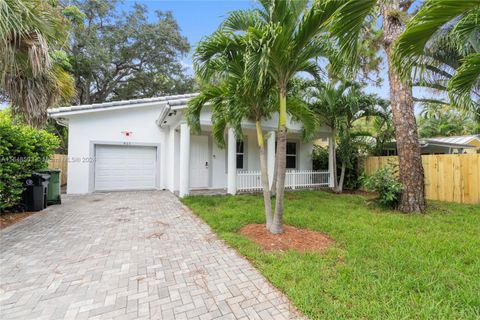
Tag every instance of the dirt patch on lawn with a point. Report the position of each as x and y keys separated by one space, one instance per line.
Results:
x=298 y=239
x=7 y=219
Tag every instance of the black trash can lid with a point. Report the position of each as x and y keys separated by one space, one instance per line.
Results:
x=43 y=175
x=36 y=179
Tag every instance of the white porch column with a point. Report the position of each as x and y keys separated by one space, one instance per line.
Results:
x=163 y=159
x=184 y=187
x=232 y=163
x=172 y=164
x=331 y=143
x=271 y=156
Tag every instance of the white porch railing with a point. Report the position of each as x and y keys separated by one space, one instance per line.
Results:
x=296 y=179
x=250 y=180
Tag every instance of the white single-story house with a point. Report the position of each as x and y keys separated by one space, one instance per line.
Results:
x=147 y=144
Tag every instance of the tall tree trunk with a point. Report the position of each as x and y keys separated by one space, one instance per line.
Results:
x=274 y=178
x=273 y=189
x=281 y=164
x=264 y=171
x=408 y=147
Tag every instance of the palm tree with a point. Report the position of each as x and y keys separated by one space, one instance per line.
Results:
x=31 y=69
x=328 y=105
x=220 y=63
x=448 y=30
x=357 y=105
x=231 y=97
x=285 y=38
x=346 y=26
x=375 y=132
x=339 y=107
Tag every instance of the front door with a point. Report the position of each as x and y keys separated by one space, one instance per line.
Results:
x=199 y=162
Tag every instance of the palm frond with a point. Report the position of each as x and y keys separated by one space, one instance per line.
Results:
x=240 y=20
x=433 y=15
x=314 y=21
x=301 y=113
x=346 y=26
x=467 y=31
x=461 y=86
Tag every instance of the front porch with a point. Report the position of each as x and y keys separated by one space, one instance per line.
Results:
x=198 y=164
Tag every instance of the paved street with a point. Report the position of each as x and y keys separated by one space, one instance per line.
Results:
x=135 y=255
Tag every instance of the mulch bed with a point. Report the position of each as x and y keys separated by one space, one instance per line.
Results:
x=298 y=239
x=7 y=219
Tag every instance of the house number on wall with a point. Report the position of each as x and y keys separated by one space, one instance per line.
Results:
x=127 y=134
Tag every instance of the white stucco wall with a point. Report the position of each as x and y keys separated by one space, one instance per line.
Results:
x=107 y=126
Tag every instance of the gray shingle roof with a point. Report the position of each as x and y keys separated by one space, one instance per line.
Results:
x=455 y=139
x=173 y=101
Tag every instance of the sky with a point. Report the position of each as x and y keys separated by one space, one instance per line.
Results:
x=196 y=18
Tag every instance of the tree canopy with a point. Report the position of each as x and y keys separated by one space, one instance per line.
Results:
x=125 y=55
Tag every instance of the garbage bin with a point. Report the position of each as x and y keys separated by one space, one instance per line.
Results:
x=53 y=196
x=35 y=194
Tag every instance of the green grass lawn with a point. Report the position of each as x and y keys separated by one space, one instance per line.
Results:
x=385 y=265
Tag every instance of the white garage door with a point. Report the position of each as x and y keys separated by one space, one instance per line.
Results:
x=125 y=167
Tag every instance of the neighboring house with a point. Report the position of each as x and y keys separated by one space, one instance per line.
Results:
x=471 y=140
x=147 y=144
x=441 y=145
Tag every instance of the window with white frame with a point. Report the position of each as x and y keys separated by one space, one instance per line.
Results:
x=240 y=154
x=291 y=155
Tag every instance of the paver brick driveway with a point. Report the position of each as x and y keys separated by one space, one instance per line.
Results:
x=127 y=255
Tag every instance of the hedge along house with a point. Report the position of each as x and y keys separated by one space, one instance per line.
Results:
x=146 y=144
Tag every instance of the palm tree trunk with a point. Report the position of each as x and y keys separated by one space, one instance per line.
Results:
x=264 y=171
x=334 y=157
x=274 y=178
x=339 y=187
x=281 y=164
x=273 y=189
x=408 y=147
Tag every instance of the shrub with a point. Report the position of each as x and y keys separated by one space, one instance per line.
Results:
x=385 y=183
x=320 y=158
x=23 y=150
x=352 y=174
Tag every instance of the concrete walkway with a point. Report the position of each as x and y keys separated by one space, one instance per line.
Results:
x=135 y=255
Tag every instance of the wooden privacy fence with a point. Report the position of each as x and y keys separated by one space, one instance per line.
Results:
x=448 y=177
x=59 y=161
